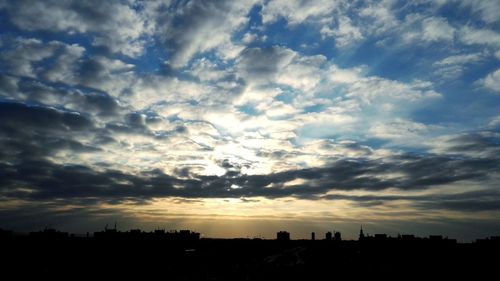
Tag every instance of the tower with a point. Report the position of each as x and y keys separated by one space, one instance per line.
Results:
x=361 y=234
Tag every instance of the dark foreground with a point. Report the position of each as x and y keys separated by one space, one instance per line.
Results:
x=210 y=259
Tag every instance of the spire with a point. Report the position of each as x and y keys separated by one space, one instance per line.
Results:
x=361 y=234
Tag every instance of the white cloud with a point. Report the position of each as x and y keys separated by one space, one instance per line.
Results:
x=249 y=38
x=376 y=89
x=492 y=81
x=419 y=29
x=460 y=59
x=473 y=36
x=206 y=70
x=436 y=29
x=453 y=66
x=345 y=34
x=399 y=129
x=381 y=18
x=296 y=11
x=303 y=73
x=345 y=76
x=494 y=122
x=488 y=9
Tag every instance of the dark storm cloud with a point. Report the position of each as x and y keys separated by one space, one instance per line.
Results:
x=482 y=142
x=7 y=85
x=46 y=180
x=80 y=99
x=71 y=96
x=19 y=115
x=469 y=201
x=100 y=103
x=35 y=132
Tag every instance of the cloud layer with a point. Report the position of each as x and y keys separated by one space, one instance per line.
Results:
x=373 y=103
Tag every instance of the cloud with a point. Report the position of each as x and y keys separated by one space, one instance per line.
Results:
x=113 y=25
x=380 y=17
x=58 y=62
x=43 y=118
x=345 y=34
x=47 y=180
x=398 y=129
x=473 y=36
x=34 y=133
x=492 y=81
x=375 y=91
x=453 y=66
x=249 y=101
x=20 y=59
x=296 y=11
x=488 y=9
x=480 y=144
x=77 y=99
x=435 y=29
x=469 y=201
x=200 y=26
x=110 y=75
x=260 y=65
x=419 y=29
x=278 y=65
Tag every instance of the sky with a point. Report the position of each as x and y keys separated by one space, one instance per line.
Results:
x=243 y=118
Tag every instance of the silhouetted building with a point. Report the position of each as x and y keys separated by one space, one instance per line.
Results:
x=381 y=236
x=188 y=235
x=135 y=233
x=361 y=234
x=177 y=235
x=338 y=236
x=408 y=237
x=159 y=232
x=328 y=236
x=49 y=233
x=283 y=236
x=435 y=237
x=107 y=233
x=313 y=236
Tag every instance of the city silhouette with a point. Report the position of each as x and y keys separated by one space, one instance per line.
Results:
x=185 y=255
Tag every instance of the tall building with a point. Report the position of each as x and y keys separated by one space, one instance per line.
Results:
x=328 y=236
x=313 y=236
x=338 y=236
x=283 y=236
